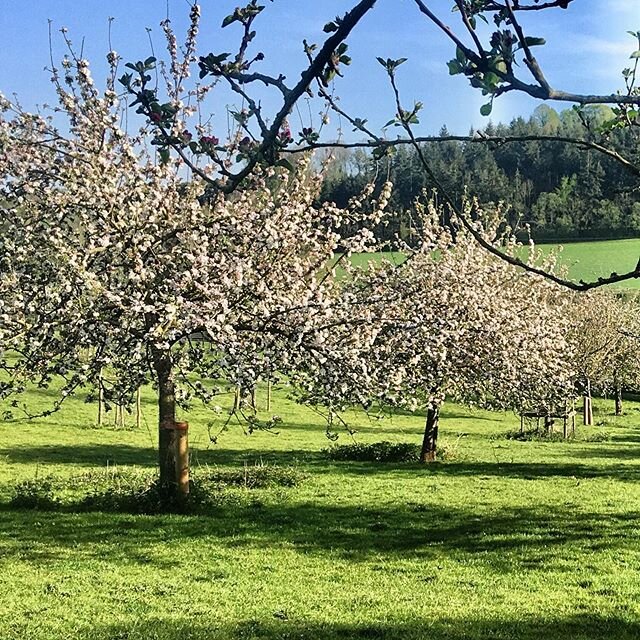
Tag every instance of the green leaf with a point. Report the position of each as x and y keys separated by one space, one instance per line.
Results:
x=149 y=62
x=485 y=109
x=230 y=19
x=330 y=27
x=491 y=79
x=283 y=162
x=635 y=54
x=164 y=155
x=461 y=56
x=534 y=42
x=394 y=121
x=454 y=67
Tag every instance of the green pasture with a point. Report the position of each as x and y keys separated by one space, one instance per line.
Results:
x=583 y=260
x=503 y=539
x=591 y=260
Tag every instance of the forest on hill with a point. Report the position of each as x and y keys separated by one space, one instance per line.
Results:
x=560 y=190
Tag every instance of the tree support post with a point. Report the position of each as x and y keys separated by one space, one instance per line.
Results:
x=100 y=399
x=176 y=462
x=181 y=446
x=587 y=408
x=138 y=407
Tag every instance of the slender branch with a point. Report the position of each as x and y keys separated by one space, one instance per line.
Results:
x=482 y=241
x=247 y=78
x=266 y=149
x=472 y=55
x=498 y=140
x=562 y=4
x=530 y=59
x=540 y=91
x=469 y=26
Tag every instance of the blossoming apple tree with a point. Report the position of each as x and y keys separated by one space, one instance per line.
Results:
x=454 y=321
x=115 y=258
x=604 y=332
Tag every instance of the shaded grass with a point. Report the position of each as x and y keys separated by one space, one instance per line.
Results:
x=509 y=540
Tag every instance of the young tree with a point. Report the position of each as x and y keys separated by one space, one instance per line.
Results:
x=451 y=321
x=604 y=334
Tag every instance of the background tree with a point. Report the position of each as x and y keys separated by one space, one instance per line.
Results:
x=604 y=335
x=452 y=321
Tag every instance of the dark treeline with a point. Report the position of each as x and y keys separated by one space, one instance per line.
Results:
x=560 y=190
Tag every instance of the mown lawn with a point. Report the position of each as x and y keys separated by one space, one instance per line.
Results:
x=506 y=539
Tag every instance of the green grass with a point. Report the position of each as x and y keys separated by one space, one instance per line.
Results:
x=583 y=260
x=508 y=539
x=591 y=260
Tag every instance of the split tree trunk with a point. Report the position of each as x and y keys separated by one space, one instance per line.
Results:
x=430 y=439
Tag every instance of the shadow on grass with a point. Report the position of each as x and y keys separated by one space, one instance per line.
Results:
x=509 y=539
x=89 y=455
x=615 y=451
x=98 y=455
x=586 y=626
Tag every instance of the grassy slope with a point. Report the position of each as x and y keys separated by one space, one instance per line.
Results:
x=508 y=540
x=590 y=260
x=584 y=260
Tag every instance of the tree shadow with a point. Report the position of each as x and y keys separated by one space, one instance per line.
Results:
x=98 y=455
x=509 y=539
x=630 y=452
x=516 y=470
x=281 y=625
x=81 y=454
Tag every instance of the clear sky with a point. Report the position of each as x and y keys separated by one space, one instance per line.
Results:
x=587 y=47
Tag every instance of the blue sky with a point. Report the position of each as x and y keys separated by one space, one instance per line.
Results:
x=587 y=47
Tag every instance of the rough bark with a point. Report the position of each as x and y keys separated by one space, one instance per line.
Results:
x=430 y=439
x=618 y=399
x=166 y=420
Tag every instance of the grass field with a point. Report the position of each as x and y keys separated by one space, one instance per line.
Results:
x=584 y=260
x=590 y=260
x=506 y=539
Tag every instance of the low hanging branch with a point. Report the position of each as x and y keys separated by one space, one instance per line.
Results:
x=405 y=120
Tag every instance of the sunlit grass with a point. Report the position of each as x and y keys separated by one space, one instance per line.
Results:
x=507 y=539
x=583 y=260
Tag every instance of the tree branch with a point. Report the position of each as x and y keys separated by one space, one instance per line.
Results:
x=482 y=139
